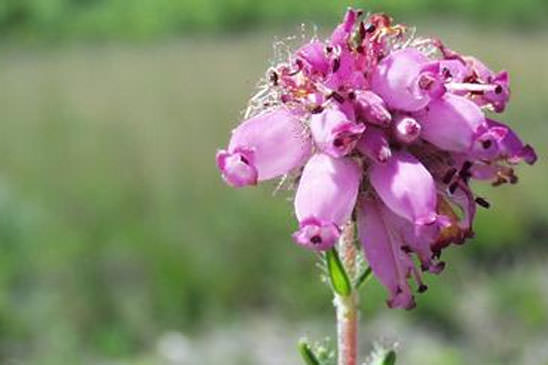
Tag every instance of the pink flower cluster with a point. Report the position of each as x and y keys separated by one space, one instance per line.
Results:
x=386 y=129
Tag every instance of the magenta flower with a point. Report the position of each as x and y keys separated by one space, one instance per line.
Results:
x=406 y=80
x=406 y=187
x=371 y=108
x=265 y=147
x=384 y=251
x=375 y=145
x=313 y=58
x=342 y=33
x=498 y=94
x=391 y=131
x=334 y=133
x=325 y=199
x=451 y=122
x=511 y=147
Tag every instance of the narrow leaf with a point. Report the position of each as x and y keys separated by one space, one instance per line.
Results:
x=337 y=274
x=307 y=354
x=390 y=358
x=364 y=277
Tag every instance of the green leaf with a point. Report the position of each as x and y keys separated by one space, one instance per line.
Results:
x=390 y=358
x=307 y=354
x=364 y=278
x=337 y=274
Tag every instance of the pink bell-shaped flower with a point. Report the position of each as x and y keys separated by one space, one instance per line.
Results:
x=407 y=80
x=451 y=122
x=264 y=147
x=325 y=199
x=334 y=133
x=406 y=187
x=511 y=147
x=343 y=31
x=371 y=108
x=384 y=253
x=375 y=145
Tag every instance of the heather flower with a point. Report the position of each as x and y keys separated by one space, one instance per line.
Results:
x=264 y=147
x=384 y=252
x=498 y=94
x=379 y=127
x=325 y=199
x=343 y=31
x=451 y=122
x=334 y=133
x=375 y=145
x=313 y=59
x=406 y=187
x=406 y=80
x=511 y=148
x=371 y=108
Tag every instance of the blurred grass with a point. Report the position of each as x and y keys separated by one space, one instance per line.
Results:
x=55 y=20
x=115 y=226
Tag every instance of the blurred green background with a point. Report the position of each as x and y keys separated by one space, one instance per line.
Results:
x=119 y=243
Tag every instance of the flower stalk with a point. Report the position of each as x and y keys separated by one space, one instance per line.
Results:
x=347 y=305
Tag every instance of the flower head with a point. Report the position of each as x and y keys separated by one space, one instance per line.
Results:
x=384 y=128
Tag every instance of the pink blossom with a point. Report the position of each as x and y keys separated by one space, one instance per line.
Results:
x=488 y=142
x=264 y=147
x=407 y=80
x=383 y=250
x=451 y=122
x=325 y=198
x=313 y=57
x=371 y=108
x=375 y=145
x=406 y=187
x=343 y=31
x=499 y=95
x=334 y=133
x=511 y=147
x=453 y=70
x=344 y=72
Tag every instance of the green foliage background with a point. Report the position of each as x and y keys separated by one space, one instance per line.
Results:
x=145 y=19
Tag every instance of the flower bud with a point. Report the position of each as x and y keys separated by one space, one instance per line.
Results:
x=372 y=108
x=406 y=129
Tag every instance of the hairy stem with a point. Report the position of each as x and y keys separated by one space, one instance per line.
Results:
x=347 y=307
